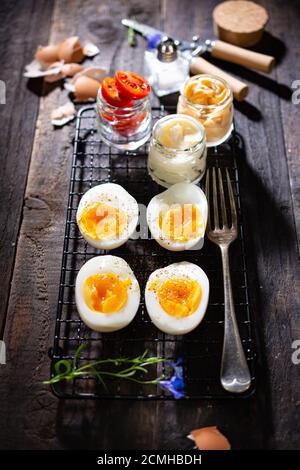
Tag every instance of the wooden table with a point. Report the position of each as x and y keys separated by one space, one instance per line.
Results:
x=35 y=162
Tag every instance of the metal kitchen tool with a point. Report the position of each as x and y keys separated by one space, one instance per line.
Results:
x=235 y=374
x=218 y=49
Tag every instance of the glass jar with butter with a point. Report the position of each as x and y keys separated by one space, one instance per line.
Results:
x=208 y=98
x=177 y=150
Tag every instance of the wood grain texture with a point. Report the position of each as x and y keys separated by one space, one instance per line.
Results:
x=31 y=417
x=270 y=222
x=286 y=303
x=287 y=73
x=23 y=27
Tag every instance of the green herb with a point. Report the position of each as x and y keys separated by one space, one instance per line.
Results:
x=126 y=368
x=131 y=37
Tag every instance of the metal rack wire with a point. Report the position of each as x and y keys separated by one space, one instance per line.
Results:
x=93 y=162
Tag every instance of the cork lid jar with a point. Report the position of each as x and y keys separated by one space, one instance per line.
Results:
x=240 y=22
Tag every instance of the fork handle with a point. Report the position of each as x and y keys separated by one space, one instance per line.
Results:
x=235 y=374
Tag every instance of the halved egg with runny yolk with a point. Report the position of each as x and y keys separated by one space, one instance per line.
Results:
x=181 y=222
x=176 y=297
x=102 y=221
x=107 y=216
x=177 y=217
x=106 y=292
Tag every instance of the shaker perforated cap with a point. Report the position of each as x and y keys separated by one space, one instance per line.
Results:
x=167 y=50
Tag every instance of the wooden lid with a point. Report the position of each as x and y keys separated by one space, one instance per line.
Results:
x=240 y=22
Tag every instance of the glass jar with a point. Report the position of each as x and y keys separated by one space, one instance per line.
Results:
x=124 y=128
x=169 y=165
x=217 y=117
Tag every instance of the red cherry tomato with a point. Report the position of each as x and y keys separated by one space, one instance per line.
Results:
x=132 y=85
x=112 y=94
x=128 y=126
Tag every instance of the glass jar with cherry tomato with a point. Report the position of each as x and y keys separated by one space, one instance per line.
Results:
x=124 y=111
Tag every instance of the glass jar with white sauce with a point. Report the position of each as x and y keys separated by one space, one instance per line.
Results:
x=209 y=99
x=177 y=150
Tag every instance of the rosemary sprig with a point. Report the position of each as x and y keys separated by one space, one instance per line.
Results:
x=127 y=368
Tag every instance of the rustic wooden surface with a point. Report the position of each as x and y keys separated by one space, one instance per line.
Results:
x=36 y=159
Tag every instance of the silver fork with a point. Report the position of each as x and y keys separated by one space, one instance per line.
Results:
x=235 y=375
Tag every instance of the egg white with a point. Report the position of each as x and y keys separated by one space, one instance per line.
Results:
x=165 y=322
x=106 y=322
x=115 y=196
x=179 y=193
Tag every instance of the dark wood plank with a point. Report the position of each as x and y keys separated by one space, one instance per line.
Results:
x=32 y=417
x=289 y=33
x=24 y=25
x=271 y=229
x=31 y=312
x=283 y=202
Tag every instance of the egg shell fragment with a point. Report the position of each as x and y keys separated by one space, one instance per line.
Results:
x=69 y=70
x=58 y=75
x=63 y=114
x=70 y=50
x=47 y=54
x=210 y=438
x=86 y=88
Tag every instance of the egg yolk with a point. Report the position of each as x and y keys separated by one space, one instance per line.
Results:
x=181 y=223
x=178 y=297
x=101 y=221
x=106 y=292
x=205 y=91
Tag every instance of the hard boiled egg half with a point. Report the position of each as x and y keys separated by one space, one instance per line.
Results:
x=107 y=293
x=176 y=297
x=177 y=217
x=107 y=216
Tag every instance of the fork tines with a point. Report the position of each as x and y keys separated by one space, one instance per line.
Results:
x=214 y=174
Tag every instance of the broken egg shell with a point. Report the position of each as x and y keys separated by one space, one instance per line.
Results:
x=90 y=49
x=58 y=72
x=35 y=69
x=70 y=50
x=69 y=86
x=210 y=438
x=97 y=73
x=53 y=78
x=47 y=54
x=86 y=88
x=69 y=70
x=63 y=114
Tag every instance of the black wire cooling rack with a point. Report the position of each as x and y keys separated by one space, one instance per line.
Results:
x=93 y=162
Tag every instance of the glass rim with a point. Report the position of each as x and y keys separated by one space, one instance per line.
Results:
x=136 y=104
x=208 y=106
x=176 y=150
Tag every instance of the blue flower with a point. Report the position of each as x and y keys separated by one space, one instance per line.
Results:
x=175 y=384
x=153 y=41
